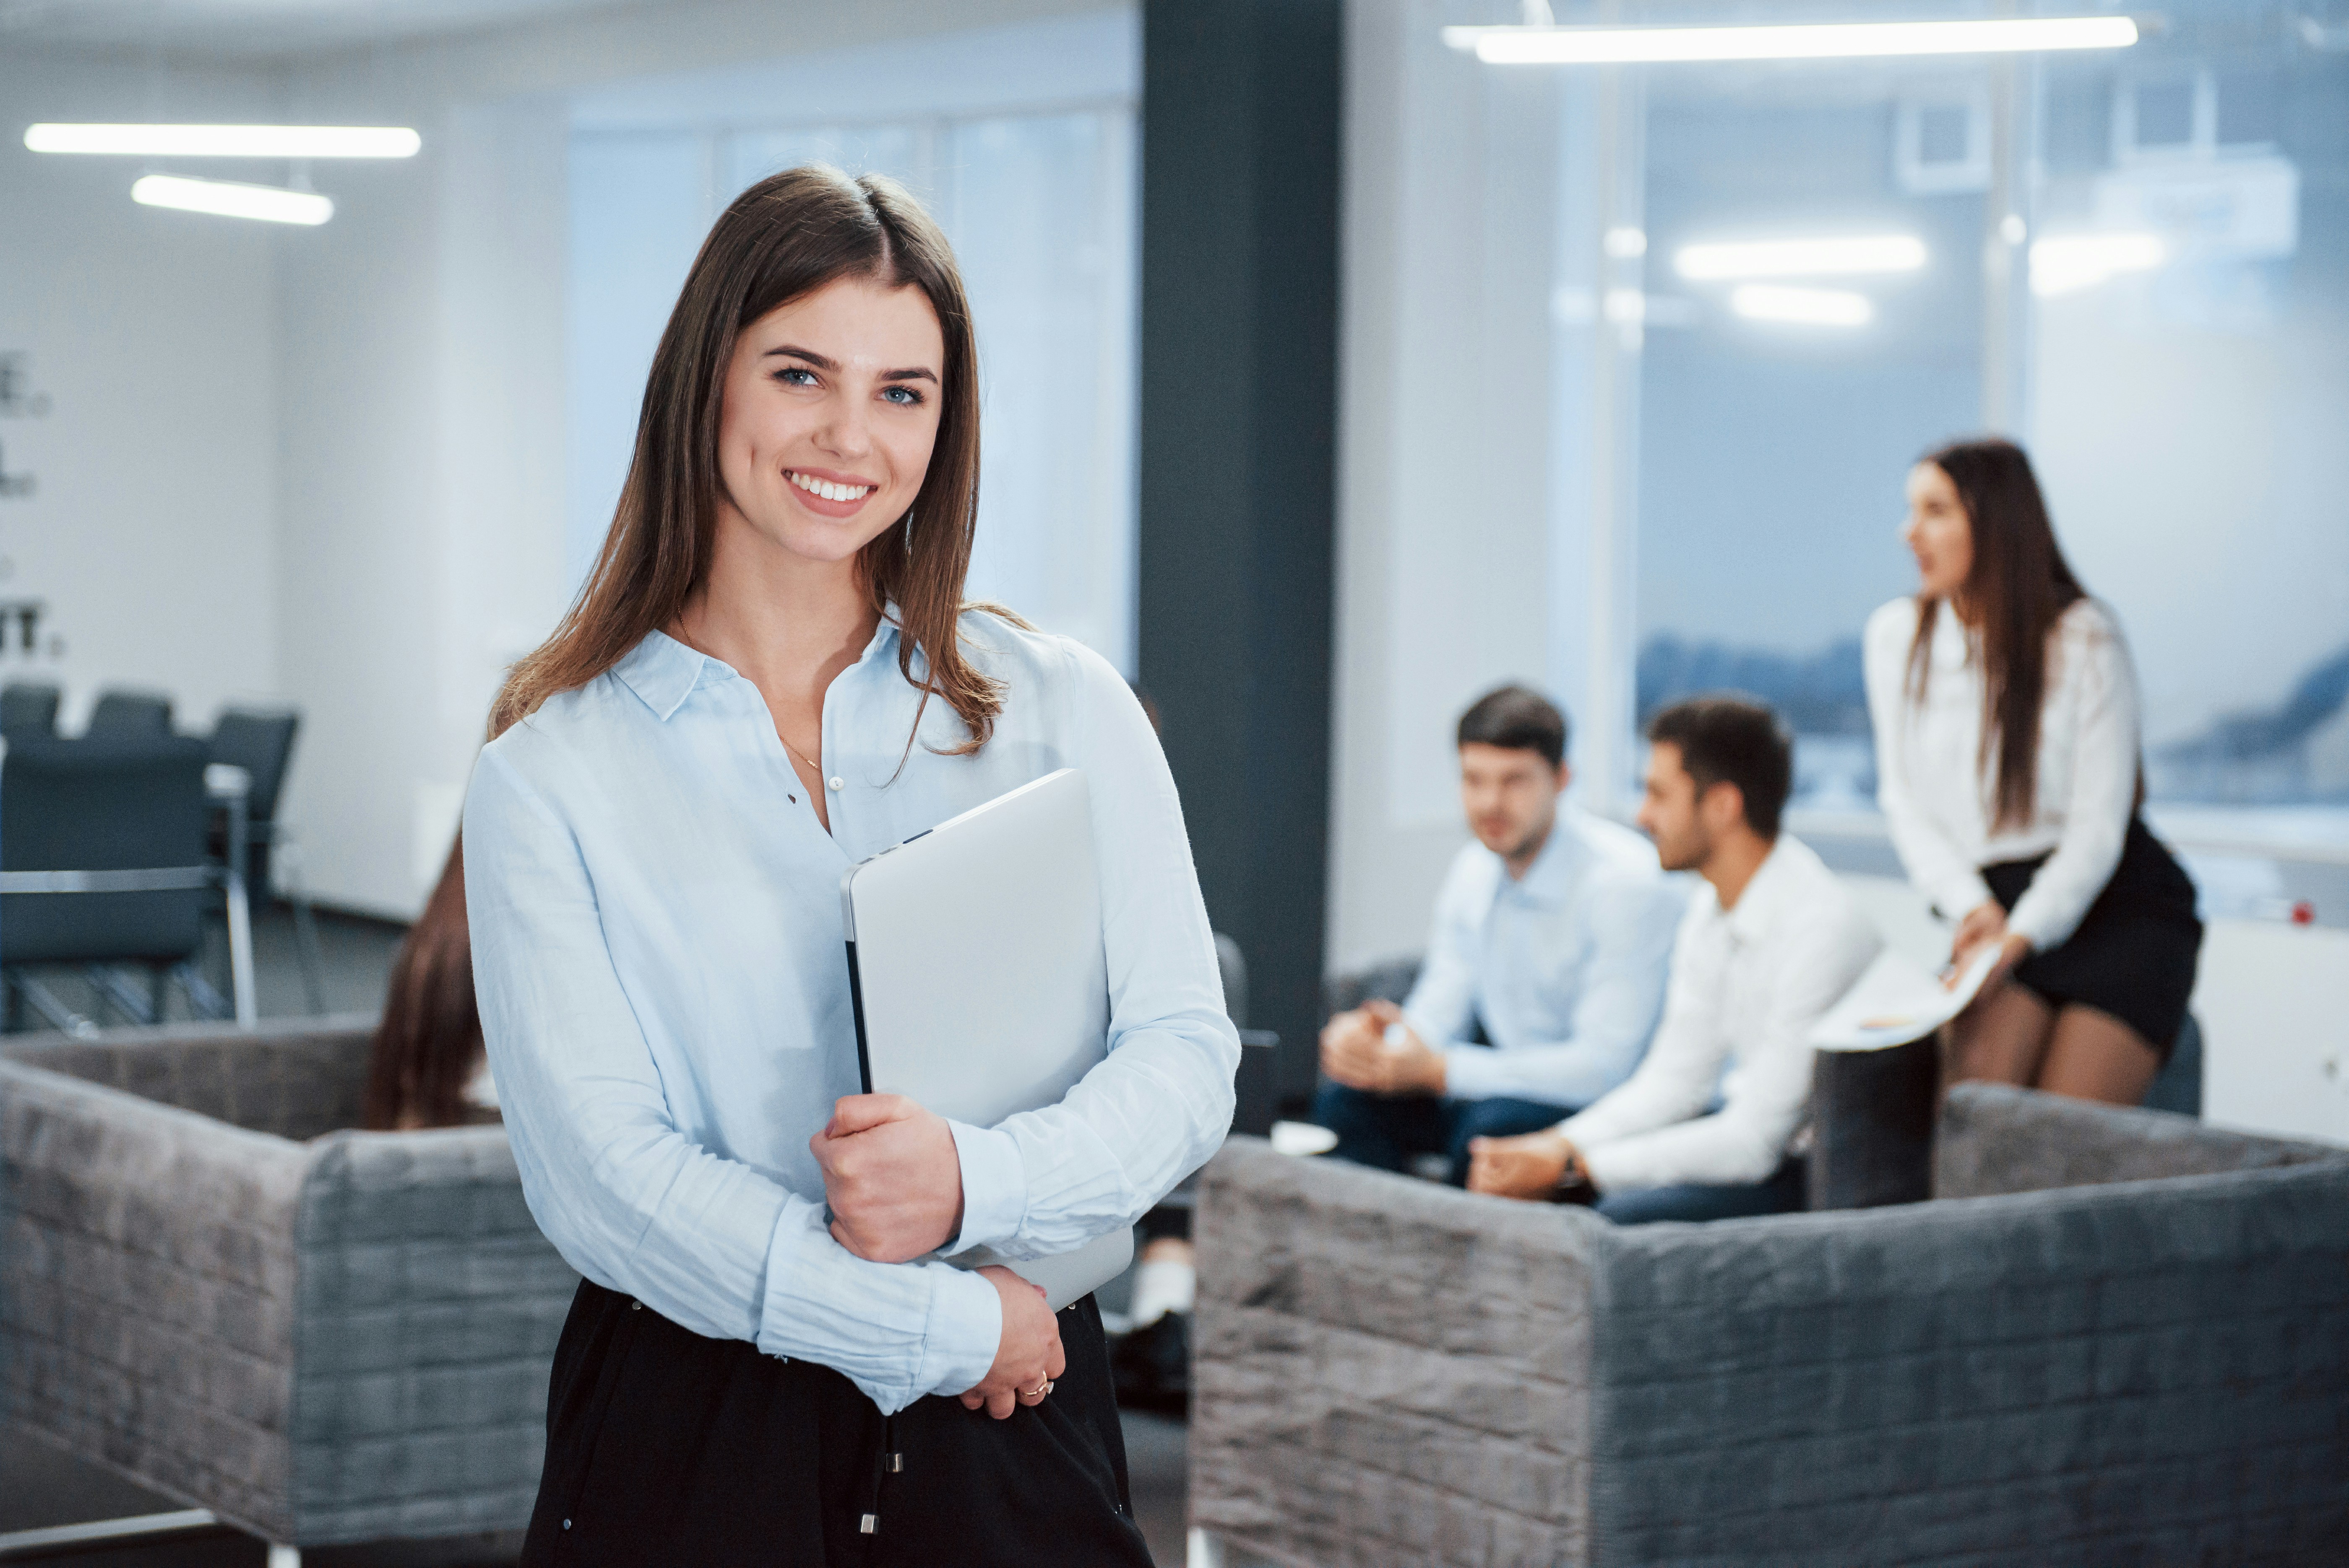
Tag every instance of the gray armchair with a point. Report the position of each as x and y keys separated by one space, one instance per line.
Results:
x=2113 y=1336
x=212 y=1285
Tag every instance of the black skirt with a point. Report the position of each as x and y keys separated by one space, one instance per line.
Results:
x=666 y=1446
x=2134 y=953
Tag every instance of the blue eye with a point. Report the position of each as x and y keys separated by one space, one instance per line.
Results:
x=903 y=397
x=786 y=374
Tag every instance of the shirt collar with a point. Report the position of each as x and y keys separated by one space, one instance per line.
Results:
x=664 y=671
x=1548 y=879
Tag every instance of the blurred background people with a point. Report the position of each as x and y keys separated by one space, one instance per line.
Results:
x=1545 y=969
x=2005 y=710
x=1770 y=942
x=428 y=1068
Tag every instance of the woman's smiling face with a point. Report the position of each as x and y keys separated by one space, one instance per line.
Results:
x=832 y=406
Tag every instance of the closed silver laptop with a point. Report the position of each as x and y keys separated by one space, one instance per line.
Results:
x=980 y=985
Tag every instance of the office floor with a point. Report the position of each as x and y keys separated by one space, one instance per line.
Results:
x=41 y=1485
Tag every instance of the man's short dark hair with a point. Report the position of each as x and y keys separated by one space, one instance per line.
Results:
x=1733 y=739
x=1517 y=719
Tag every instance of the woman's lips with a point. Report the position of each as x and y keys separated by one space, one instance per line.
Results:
x=827 y=497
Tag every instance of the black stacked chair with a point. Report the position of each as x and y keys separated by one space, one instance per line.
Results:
x=28 y=709
x=103 y=863
x=127 y=712
x=261 y=742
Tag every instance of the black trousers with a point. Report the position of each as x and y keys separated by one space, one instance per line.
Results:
x=664 y=1447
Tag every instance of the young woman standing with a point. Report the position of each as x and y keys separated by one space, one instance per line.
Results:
x=2005 y=711
x=770 y=675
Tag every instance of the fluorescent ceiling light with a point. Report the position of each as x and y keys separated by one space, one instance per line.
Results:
x=2068 y=263
x=231 y=200
x=228 y=140
x=1806 y=307
x=1834 y=40
x=1831 y=256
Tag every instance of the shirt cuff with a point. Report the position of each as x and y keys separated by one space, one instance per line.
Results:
x=965 y=1330
x=1961 y=894
x=994 y=1189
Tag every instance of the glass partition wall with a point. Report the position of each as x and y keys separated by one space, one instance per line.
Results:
x=1773 y=286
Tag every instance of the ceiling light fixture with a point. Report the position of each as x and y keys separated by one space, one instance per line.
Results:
x=1826 y=41
x=229 y=199
x=227 y=141
x=2068 y=262
x=1827 y=256
x=1804 y=306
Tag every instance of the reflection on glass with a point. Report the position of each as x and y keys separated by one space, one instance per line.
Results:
x=2185 y=215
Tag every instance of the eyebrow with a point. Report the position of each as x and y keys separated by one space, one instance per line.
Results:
x=912 y=373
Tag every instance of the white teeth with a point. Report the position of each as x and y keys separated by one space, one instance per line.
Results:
x=829 y=491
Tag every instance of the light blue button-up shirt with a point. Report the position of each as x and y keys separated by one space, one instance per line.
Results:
x=658 y=951
x=1566 y=966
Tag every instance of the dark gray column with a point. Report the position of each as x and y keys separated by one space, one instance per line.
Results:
x=1239 y=329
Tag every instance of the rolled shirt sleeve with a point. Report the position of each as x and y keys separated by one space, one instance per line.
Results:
x=1442 y=1000
x=1936 y=862
x=2103 y=799
x=1631 y=921
x=710 y=1243
x=1748 y=989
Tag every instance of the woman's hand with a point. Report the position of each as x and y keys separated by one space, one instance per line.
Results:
x=1983 y=924
x=1028 y=1355
x=892 y=1177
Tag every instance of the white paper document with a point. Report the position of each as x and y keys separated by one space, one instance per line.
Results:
x=1897 y=1000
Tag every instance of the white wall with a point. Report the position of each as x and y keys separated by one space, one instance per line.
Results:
x=148 y=339
x=1467 y=456
x=421 y=465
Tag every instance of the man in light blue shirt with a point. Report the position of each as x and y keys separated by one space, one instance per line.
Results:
x=1553 y=935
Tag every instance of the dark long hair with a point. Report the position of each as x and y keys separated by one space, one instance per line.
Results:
x=429 y=1045
x=780 y=240
x=2019 y=585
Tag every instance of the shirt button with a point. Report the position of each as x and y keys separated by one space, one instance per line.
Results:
x=833 y=782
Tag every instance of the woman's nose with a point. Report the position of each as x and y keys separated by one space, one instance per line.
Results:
x=846 y=432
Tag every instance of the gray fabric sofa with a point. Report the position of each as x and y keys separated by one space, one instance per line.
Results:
x=2113 y=1336
x=210 y=1284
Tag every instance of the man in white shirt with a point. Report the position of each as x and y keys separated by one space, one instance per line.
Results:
x=1770 y=942
x=1553 y=933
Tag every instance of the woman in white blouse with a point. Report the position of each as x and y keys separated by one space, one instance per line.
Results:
x=770 y=675
x=2006 y=743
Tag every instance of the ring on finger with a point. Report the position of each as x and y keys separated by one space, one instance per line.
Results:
x=1039 y=1391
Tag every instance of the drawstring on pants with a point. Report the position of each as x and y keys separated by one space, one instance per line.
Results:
x=887 y=1462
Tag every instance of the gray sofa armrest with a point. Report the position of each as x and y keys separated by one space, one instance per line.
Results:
x=429 y=1308
x=1993 y=1138
x=147 y=1278
x=2080 y=1376
x=296 y=1077
x=1387 y=1371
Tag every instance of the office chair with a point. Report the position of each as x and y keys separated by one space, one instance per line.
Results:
x=103 y=863
x=125 y=712
x=261 y=742
x=28 y=709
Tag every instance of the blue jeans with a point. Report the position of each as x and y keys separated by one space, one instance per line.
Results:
x=1782 y=1194
x=1386 y=1130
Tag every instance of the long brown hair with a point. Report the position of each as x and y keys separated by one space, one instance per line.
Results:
x=780 y=240
x=429 y=1045
x=2018 y=587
